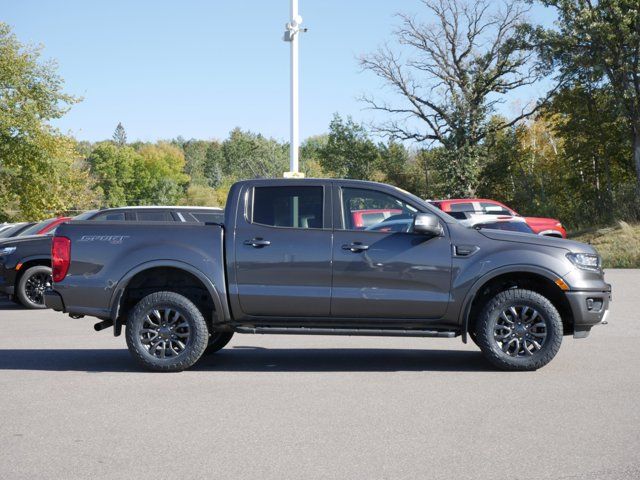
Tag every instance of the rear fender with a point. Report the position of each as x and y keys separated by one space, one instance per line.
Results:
x=116 y=297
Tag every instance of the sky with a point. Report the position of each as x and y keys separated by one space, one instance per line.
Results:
x=199 y=68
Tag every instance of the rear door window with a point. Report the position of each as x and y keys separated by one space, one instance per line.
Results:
x=288 y=207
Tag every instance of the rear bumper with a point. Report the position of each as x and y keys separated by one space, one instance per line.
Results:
x=53 y=300
x=588 y=308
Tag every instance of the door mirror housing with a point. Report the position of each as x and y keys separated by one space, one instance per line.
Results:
x=427 y=224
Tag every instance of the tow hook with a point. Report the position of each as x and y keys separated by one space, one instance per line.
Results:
x=102 y=325
x=76 y=315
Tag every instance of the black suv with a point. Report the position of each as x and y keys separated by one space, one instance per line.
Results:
x=25 y=263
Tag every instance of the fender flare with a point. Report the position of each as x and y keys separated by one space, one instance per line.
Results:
x=471 y=294
x=122 y=284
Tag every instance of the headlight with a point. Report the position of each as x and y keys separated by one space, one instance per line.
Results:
x=586 y=261
x=7 y=250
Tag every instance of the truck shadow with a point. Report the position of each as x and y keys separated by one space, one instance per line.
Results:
x=255 y=359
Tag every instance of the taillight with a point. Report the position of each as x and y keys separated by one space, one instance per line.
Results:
x=60 y=257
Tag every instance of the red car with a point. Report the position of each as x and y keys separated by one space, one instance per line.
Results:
x=542 y=226
x=365 y=218
x=44 y=227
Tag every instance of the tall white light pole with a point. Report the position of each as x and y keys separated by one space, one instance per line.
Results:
x=291 y=35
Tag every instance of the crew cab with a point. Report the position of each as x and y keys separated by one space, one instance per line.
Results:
x=550 y=227
x=289 y=259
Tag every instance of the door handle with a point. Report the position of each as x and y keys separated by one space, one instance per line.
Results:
x=257 y=243
x=355 y=247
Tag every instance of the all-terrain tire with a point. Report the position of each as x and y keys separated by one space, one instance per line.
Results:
x=217 y=341
x=519 y=299
x=194 y=345
x=31 y=286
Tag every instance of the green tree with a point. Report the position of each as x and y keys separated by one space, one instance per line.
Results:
x=34 y=157
x=213 y=164
x=251 y=155
x=451 y=77
x=120 y=135
x=195 y=153
x=348 y=152
x=599 y=42
x=159 y=177
x=114 y=170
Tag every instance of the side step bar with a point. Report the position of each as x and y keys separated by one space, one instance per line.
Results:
x=346 y=331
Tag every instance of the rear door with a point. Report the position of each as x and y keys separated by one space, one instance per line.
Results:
x=385 y=270
x=283 y=250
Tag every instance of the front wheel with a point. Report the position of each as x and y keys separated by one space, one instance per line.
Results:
x=166 y=332
x=31 y=286
x=217 y=341
x=519 y=330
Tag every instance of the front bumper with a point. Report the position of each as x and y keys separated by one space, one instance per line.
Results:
x=7 y=279
x=588 y=308
x=53 y=300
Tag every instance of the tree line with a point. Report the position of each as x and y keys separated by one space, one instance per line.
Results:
x=440 y=130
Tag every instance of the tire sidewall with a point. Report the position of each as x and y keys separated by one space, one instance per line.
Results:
x=512 y=298
x=22 y=283
x=195 y=345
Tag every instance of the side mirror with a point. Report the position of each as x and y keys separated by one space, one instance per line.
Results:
x=427 y=224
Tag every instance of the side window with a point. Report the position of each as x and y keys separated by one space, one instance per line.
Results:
x=364 y=209
x=493 y=209
x=154 y=216
x=110 y=217
x=462 y=207
x=293 y=207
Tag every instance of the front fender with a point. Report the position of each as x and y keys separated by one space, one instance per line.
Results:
x=477 y=285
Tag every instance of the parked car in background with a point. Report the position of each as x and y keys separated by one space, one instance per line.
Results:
x=372 y=216
x=290 y=260
x=14 y=229
x=44 y=227
x=404 y=223
x=25 y=261
x=497 y=222
x=156 y=214
x=550 y=227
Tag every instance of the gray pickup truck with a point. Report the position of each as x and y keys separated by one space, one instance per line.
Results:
x=323 y=257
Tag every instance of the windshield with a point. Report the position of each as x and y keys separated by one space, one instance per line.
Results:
x=33 y=229
x=510 y=226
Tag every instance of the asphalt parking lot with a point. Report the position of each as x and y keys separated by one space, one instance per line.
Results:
x=74 y=405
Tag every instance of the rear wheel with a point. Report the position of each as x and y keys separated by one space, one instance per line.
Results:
x=32 y=284
x=166 y=332
x=519 y=330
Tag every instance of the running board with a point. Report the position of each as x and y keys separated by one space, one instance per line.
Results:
x=346 y=331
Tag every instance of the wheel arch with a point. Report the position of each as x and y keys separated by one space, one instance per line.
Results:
x=28 y=262
x=532 y=277
x=119 y=296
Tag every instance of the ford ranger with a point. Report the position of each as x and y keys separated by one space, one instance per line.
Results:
x=294 y=257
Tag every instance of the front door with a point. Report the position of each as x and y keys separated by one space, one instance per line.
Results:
x=283 y=251
x=381 y=269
